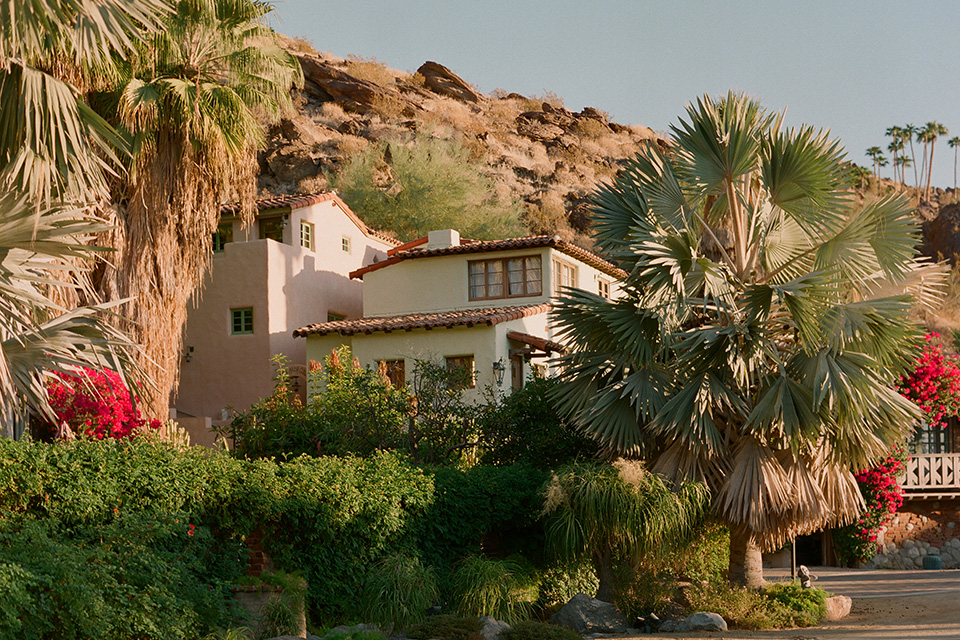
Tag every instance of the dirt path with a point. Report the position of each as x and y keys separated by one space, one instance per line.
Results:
x=887 y=605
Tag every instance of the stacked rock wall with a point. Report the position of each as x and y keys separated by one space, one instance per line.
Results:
x=920 y=527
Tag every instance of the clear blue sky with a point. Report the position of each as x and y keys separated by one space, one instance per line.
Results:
x=855 y=68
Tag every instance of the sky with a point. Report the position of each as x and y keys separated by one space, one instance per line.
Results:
x=855 y=68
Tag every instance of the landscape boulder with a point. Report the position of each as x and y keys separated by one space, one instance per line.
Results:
x=838 y=607
x=704 y=621
x=329 y=84
x=584 y=615
x=491 y=628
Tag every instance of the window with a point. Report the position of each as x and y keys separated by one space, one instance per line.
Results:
x=505 y=278
x=241 y=321
x=345 y=244
x=927 y=439
x=306 y=235
x=272 y=228
x=604 y=288
x=461 y=372
x=395 y=371
x=223 y=235
x=564 y=275
x=333 y=317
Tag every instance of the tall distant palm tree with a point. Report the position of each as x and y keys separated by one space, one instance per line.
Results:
x=896 y=144
x=764 y=322
x=876 y=154
x=190 y=108
x=932 y=131
x=908 y=132
x=954 y=143
x=903 y=161
x=55 y=155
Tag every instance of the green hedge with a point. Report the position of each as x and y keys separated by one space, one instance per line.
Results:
x=329 y=518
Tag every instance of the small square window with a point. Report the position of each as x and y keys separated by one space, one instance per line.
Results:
x=462 y=375
x=564 y=276
x=271 y=228
x=395 y=372
x=306 y=235
x=333 y=317
x=604 y=288
x=345 y=244
x=223 y=235
x=241 y=321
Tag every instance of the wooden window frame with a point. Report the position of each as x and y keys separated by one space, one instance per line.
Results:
x=526 y=280
x=222 y=237
x=467 y=362
x=603 y=287
x=346 y=244
x=240 y=314
x=561 y=268
x=307 y=235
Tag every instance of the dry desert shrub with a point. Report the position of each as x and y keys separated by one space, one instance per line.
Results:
x=303 y=45
x=370 y=69
x=455 y=114
x=502 y=114
x=333 y=114
x=590 y=129
x=549 y=216
x=313 y=184
x=388 y=106
x=350 y=146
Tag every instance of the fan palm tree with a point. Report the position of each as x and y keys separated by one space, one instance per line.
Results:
x=190 y=107
x=954 y=143
x=876 y=154
x=763 y=324
x=55 y=152
x=608 y=513
x=907 y=132
x=896 y=145
x=932 y=131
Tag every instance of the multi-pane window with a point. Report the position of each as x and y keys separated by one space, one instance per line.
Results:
x=241 y=321
x=461 y=371
x=395 y=371
x=505 y=278
x=345 y=244
x=564 y=275
x=271 y=228
x=306 y=235
x=223 y=235
x=604 y=288
x=927 y=439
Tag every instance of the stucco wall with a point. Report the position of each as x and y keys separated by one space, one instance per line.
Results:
x=287 y=286
x=485 y=343
x=440 y=283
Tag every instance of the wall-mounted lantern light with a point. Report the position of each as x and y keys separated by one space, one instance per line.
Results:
x=498 y=370
x=187 y=354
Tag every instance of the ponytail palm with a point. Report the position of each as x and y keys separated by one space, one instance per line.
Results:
x=763 y=324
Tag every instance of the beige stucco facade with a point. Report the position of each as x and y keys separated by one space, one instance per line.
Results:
x=286 y=285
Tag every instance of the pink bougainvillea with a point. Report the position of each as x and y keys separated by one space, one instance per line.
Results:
x=934 y=383
x=96 y=404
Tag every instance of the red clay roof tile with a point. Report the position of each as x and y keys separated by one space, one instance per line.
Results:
x=408 y=322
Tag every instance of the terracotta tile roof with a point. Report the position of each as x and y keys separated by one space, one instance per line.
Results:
x=486 y=246
x=298 y=201
x=461 y=318
x=543 y=344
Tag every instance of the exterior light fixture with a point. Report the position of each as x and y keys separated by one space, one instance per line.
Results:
x=498 y=370
x=187 y=354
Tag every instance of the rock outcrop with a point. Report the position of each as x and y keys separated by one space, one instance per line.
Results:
x=444 y=82
x=586 y=615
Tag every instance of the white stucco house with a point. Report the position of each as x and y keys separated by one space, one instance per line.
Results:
x=480 y=305
x=291 y=267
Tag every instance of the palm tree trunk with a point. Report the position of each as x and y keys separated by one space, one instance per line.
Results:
x=746 y=563
x=930 y=169
x=913 y=156
x=603 y=565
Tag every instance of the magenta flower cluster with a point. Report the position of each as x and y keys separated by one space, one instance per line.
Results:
x=934 y=383
x=97 y=404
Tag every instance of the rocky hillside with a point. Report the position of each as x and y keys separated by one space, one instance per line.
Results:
x=534 y=150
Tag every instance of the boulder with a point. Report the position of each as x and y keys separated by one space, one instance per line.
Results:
x=671 y=626
x=704 y=621
x=584 y=615
x=445 y=82
x=838 y=607
x=491 y=628
x=343 y=629
x=329 y=84
x=538 y=131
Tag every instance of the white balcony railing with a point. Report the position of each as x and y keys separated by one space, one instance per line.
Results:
x=932 y=472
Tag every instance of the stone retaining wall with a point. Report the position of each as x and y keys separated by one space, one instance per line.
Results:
x=919 y=527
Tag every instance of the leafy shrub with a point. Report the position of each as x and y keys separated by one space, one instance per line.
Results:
x=530 y=630
x=706 y=557
x=398 y=591
x=96 y=404
x=560 y=582
x=650 y=590
x=447 y=627
x=489 y=509
x=429 y=183
x=776 y=606
x=795 y=606
x=526 y=428
x=131 y=577
x=498 y=588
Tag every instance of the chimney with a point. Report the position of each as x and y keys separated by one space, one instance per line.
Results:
x=443 y=239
